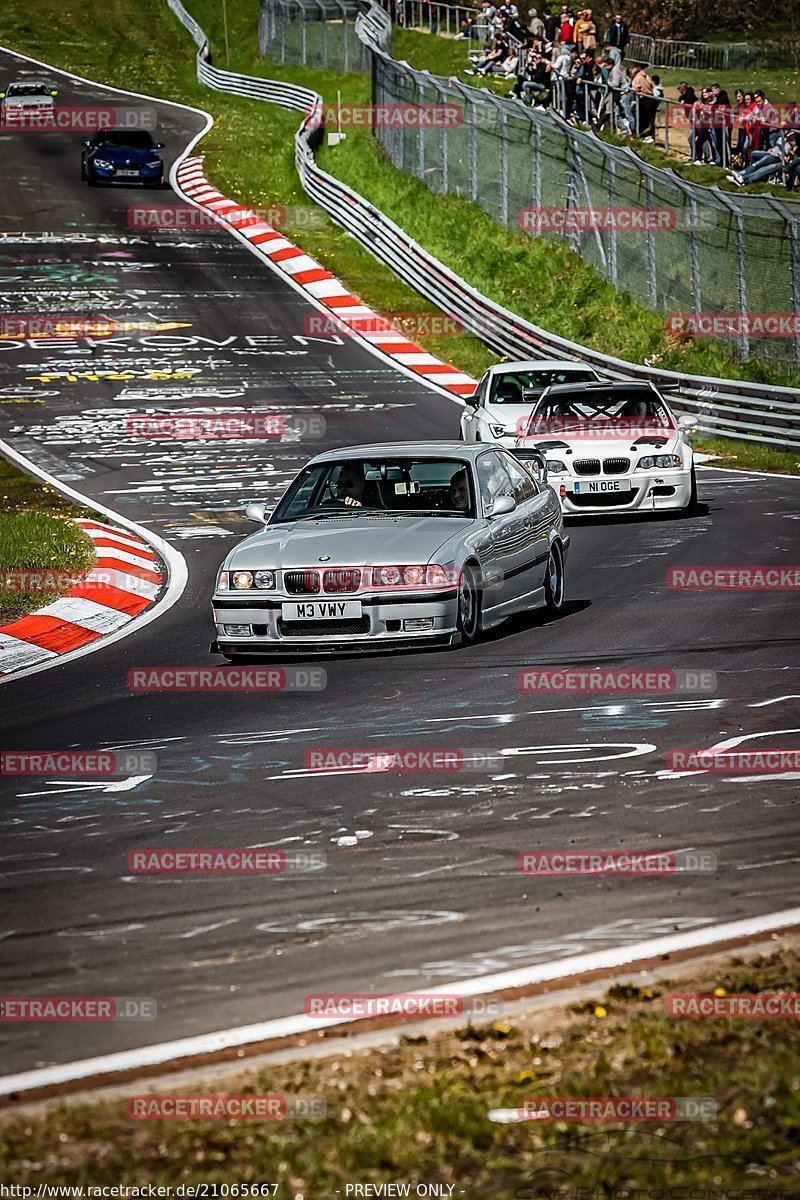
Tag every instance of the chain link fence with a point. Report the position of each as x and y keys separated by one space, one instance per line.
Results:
x=705 y=252
x=312 y=33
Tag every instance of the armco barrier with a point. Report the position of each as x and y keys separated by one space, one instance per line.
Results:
x=733 y=408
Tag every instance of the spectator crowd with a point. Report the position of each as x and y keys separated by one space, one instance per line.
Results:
x=561 y=60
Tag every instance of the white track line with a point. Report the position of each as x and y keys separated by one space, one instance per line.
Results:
x=208 y=1043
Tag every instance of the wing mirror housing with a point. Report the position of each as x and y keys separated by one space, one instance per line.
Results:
x=687 y=422
x=472 y=401
x=54 y=93
x=502 y=506
x=257 y=511
x=86 y=142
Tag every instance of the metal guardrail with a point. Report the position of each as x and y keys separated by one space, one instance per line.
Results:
x=719 y=404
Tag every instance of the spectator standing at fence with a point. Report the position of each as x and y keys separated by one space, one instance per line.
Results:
x=618 y=34
x=565 y=28
x=793 y=165
x=721 y=105
x=550 y=25
x=562 y=62
x=766 y=124
x=400 y=11
x=701 y=136
x=642 y=86
x=612 y=52
x=535 y=23
x=584 y=31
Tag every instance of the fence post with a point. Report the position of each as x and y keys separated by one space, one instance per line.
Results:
x=444 y=145
x=504 y=166
x=571 y=199
x=303 y=36
x=473 y=150
x=420 y=134
x=652 y=283
x=794 y=266
x=537 y=164
x=612 y=233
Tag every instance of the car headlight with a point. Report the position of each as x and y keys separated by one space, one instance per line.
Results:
x=264 y=579
x=242 y=580
x=555 y=466
x=659 y=461
x=497 y=430
x=103 y=164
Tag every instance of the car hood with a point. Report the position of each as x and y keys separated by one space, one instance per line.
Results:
x=124 y=154
x=611 y=447
x=348 y=541
x=513 y=416
x=28 y=102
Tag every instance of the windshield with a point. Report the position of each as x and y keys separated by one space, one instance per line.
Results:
x=138 y=138
x=634 y=413
x=509 y=387
x=28 y=89
x=385 y=485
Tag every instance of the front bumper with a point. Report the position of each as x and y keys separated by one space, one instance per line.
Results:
x=649 y=491
x=383 y=622
x=143 y=179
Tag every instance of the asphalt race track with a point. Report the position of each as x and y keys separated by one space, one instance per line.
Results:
x=420 y=885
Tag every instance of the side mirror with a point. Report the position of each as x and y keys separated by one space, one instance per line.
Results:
x=536 y=463
x=472 y=401
x=256 y=511
x=502 y=506
x=2 y=95
x=54 y=93
x=687 y=422
x=86 y=142
x=159 y=146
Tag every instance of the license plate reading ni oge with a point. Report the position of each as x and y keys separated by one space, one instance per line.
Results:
x=602 y=485
x=123 y=171
x=321 y=610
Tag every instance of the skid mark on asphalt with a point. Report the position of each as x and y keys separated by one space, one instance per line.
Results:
x=621 y=932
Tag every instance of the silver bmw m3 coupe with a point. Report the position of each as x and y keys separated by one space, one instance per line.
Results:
x=394 y=545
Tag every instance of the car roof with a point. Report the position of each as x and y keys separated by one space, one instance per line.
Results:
x=533 y=364
x=569 y=389
x=456 y=450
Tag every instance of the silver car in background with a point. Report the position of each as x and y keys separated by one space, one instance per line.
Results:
x=393 y=545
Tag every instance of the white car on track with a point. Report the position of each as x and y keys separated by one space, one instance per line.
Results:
x=498 y=409
x=613 y=447
x=25 y=99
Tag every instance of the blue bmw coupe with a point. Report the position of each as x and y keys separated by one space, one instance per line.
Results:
x=122 y=156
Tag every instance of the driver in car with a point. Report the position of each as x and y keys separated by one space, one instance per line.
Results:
x=459 y=491
x=352 y=487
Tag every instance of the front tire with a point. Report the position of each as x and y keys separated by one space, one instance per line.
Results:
x=469 y=605
x=691 y=507
x=555 y=580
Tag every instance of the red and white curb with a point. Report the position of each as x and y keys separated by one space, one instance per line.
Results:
x=125 y=579
x=319 y=283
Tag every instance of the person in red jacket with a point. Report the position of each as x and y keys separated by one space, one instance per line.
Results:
x=565 y=26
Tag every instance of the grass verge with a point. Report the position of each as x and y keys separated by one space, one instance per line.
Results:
x=420 y=1111
x=733 y=452
x=36 y=534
